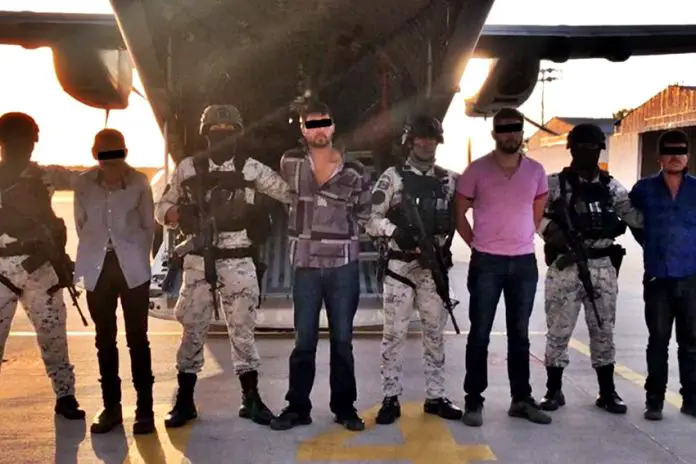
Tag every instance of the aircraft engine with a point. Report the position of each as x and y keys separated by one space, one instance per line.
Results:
x=100 y=78
x=510 y=83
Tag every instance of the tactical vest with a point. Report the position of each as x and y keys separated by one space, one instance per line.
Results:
x=224 y=194
x=430 y=195
x=28 y=192
x=591 y=207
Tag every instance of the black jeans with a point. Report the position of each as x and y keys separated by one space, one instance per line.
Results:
x=339 y=289
x=669 y=301
x=516 y=277
x=102 y=304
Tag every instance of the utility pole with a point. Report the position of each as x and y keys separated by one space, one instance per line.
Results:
x=545 y=77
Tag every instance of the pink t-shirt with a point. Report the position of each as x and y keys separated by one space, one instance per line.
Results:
x=503 y=207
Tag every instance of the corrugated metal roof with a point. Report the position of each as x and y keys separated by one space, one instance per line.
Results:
x=606 y=124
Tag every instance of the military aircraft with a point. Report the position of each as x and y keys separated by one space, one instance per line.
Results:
x=373 y=63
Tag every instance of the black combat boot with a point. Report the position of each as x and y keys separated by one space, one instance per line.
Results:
x=554 y=397
x=144 y=414
x=390 y=410
x=184 y=409
x=608 y=399
x=252 y=406
x=442 y=407
x=68 y=407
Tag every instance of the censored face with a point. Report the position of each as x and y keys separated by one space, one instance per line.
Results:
x=318 y=130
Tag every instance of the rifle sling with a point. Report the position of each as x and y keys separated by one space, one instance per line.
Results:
x=10 y=286
x=402 y=279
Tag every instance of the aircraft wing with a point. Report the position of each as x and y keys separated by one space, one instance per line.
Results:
x=33 y=30
x=561 y=43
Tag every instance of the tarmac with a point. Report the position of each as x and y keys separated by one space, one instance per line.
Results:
x=580 y=432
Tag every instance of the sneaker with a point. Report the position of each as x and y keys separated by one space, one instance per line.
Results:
x=351 y=421
x=473 y=415
x=290 y=418
x=530 y=410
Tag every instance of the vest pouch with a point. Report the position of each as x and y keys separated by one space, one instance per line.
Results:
x=616 y=255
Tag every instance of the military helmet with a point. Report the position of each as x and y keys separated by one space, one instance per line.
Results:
x=18 y=125
x=423 y=126
x=220 y=117
x=586 y=133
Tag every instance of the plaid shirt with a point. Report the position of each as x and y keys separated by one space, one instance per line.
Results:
x=324 y=226
x=669 y=233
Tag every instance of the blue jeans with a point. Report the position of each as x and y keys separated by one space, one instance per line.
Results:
x=339 y=289
x=516 y=278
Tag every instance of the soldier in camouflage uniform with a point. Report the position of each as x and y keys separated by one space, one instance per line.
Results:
x=28 y=225
x=407 y=285
x=233 y=195
x=599 y=209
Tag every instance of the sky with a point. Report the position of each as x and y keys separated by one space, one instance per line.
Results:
x=589 y=88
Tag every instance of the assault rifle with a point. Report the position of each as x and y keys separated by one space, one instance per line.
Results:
x=430 y=256
x=576 y=254
x=48 y=250
x=206 y=232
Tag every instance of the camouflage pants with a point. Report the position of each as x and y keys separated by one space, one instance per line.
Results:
x=238 y=299
x=564 y=293
x=399 y=302
x=47 y=314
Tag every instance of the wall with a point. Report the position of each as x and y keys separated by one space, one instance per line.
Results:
x=553 y=158
x=624 y=158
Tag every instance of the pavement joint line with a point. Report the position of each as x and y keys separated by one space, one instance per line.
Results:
x=270 y=334
x=627 y=373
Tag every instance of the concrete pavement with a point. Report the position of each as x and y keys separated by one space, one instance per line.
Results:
x=580 y=433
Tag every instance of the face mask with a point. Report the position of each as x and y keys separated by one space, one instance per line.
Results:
x=586 y=158
x=423 y=153
x=222 y=146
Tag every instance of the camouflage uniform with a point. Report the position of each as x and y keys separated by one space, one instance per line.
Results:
x=565 y=293
x=25 y=207
x=237 y=279
x=400 y=299
x=47 y=313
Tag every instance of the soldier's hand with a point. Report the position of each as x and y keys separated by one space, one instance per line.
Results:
x=553 y=235
x=172 y=215
x=403 y=240
x=188 y=219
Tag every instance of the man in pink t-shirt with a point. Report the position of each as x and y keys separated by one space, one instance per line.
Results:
x=507 y=192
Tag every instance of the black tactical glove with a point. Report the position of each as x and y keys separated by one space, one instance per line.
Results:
x=404 y=240
x=188 y=219
x=553 y=236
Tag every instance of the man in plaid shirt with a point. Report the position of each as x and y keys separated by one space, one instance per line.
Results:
x=324 y=230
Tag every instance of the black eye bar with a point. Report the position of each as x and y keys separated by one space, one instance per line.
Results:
x=111 y=154
x=678 y=148
x=507 y=128
x=316 y=123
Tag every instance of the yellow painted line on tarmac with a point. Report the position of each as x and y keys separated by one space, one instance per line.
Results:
x=427 y=440
x=629 y=374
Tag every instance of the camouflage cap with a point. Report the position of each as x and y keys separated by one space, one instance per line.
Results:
x=18 y=125
x=220 y=117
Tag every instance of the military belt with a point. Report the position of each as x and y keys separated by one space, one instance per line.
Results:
x=405 y=256
x=228 y=253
